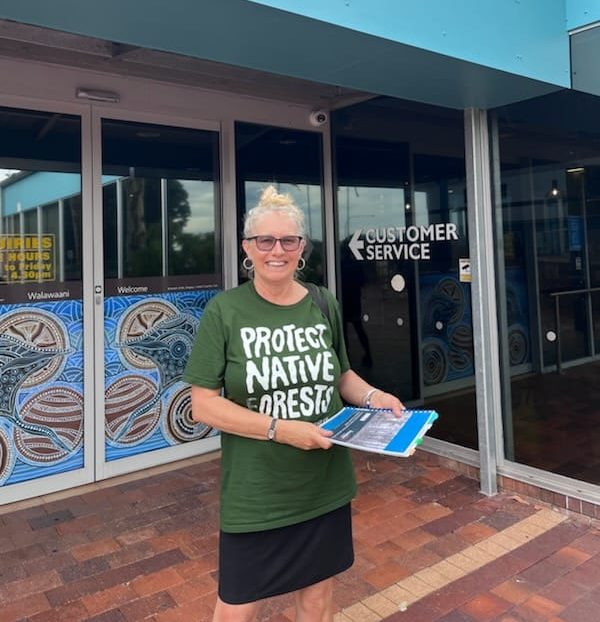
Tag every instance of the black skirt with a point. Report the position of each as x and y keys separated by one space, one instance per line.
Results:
x=260 y=564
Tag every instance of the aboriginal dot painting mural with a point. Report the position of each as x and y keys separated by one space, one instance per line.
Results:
x=448 y=332
x=147 y=343
x=517 y=317
x=41 y=390
x=447 y=329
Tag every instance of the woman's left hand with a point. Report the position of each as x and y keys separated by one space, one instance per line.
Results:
x=380 y=399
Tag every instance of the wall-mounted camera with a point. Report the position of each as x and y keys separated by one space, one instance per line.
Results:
x=317 y=118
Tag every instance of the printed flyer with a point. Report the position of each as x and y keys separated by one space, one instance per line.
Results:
x=379 y=430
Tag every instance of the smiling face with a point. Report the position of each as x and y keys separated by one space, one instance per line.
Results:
x=276 y=266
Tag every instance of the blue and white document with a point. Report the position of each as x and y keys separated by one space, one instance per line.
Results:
x=379 y=430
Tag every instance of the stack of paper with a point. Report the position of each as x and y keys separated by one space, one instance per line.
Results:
x=380 y=431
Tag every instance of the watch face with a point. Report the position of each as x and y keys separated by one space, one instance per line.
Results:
x=271 y=430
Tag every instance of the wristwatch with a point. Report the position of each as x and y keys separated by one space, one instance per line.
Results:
x=271 y=430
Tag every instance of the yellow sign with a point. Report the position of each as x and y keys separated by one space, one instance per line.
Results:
x=464 y=270
x=27 y=257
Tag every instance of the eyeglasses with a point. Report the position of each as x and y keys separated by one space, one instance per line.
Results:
x=267 y=242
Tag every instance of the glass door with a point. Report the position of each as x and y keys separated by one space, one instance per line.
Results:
x=404 y=256
x=42 y=426
x=162 y=263
x=377 y=276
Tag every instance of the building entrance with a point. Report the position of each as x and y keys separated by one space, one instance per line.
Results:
x=111 y=246
x=162 y=263
x=404 y=271
x=107 y=260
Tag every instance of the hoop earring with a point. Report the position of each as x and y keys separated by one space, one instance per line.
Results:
x=302 y=265
x=248 y=264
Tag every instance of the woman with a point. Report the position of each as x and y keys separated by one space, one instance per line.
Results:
x=285 y=489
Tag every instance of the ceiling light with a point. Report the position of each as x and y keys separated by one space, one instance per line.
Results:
x=554 y=192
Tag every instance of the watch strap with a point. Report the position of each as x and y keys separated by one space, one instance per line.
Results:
x=271 y=430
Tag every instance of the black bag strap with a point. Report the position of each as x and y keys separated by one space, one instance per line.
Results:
x=317 y=296
x=319 y=299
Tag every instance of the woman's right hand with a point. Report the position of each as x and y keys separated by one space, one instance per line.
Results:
x=302 y=434
x=209 y=407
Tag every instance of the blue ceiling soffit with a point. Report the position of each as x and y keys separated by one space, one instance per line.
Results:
x=585 y=52
x=246 y=34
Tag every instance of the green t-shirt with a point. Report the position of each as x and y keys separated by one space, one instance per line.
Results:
x=281 y=361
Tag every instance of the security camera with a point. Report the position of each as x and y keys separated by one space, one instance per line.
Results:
x=318 y=118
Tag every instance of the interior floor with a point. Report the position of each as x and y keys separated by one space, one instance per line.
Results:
x=554 y=419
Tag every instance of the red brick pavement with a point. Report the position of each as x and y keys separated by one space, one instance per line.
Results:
x=147 y=550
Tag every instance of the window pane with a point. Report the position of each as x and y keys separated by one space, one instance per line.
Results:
x=41 y=306
x=191 y=214
x=160 y=191
x=291 y=161
x=142 y=226
x=110 y=230
x=401 y=215
x=546 y=203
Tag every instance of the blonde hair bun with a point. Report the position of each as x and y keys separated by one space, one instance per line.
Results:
x=270 y=197
x=271 y=201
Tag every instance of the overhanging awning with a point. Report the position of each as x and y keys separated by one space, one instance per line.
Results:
x=257 y=37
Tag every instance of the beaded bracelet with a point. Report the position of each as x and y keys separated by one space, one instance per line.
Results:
x=368 y=396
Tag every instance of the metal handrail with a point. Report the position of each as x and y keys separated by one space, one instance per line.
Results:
x=556 y=296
